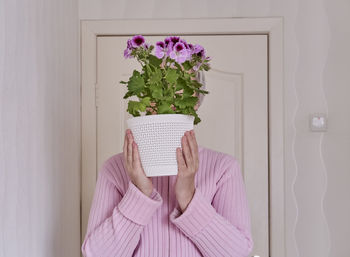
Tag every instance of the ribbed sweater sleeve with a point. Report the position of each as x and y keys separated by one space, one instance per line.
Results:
x=115 y=221
x=220 y=228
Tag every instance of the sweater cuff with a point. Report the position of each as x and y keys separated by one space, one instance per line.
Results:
x=137 y=206
x=197 y=215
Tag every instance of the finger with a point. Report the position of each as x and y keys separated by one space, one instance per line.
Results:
x=186 y=151
x=194 y=139
x=191 y=143
x=125 y=150
x=132 y=136
x=129 y=155
x=180 y=160
x=135 y=153
x=195 y=157
x=125 y=146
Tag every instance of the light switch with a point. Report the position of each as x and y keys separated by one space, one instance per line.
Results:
x=318 y=122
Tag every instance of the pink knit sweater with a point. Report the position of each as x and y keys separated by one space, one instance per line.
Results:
x=123 y=221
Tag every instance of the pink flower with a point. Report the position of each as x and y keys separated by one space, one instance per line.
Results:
x=137 y=40
x=160 y=49
x=179 y=53
x=127 y=53
x=146 y=45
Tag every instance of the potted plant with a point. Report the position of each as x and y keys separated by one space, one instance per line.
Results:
x=168 y=90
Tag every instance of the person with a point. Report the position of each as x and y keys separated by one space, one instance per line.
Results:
x=201 y=211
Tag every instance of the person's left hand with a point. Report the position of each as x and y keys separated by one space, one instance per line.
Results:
x=188 y=162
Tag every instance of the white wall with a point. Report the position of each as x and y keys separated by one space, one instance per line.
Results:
x=39 y=128
x=317 y=61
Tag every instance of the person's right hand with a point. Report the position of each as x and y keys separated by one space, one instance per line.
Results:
x=133 y=165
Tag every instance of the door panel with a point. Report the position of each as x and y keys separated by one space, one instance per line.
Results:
x=234 y=114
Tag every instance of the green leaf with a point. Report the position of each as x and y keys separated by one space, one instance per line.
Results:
x=177 y=65
x=171 y=76
x=154 y=60
x=146 y=100
x=206 y=67
x=123 y=82
x=186 y=102
x=169 y=94
x=156 y=90
x=202 y=91
x=180 y=84
x=187 y=65
x=195 y=83
x=156 y=76
x=136 y=83
x=196 y=120
x=185 y=111
x=146 y=72
x=128 y=94
x=187 y=91
x=134 y=107
x=165 y=108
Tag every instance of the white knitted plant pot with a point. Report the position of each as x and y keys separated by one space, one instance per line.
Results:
x=157 y=137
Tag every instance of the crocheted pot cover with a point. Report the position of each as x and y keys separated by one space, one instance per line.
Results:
x=157 y=137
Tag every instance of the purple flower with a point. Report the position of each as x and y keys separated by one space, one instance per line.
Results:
x=197 y=48
x=146 y=45
x=174 y=39
x=129 y=44
x=185 y=43
x=173 y=46
x=160 y=49
x=169 y=48
x=171 y=40
x=128 y=50
x=137 y=40
x=127 y=53
x=179 y=53
x=189 y=54
x=167 y=41
x=201 y=54
x=179 y=46
x=199 y=51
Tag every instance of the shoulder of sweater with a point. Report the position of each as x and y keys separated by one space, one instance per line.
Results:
x=113 y=169
x=222 y=156
x=225 y=162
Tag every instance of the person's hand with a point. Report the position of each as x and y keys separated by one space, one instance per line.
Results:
x=188 y=162
x=133 y=165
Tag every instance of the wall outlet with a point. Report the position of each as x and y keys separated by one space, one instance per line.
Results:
x=318 y=122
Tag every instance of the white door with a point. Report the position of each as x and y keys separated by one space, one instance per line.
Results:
x=234 y=114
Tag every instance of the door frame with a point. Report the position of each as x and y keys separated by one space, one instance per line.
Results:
x=270 y=26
